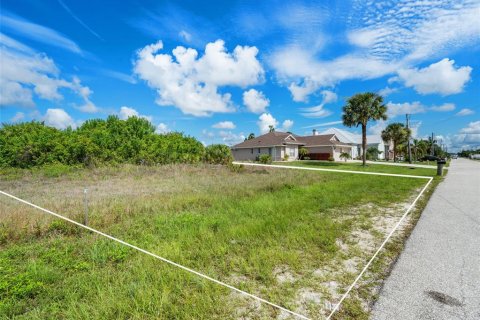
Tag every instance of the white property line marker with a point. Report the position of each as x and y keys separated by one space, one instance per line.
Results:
x=156 y=256
x=330 y=170
x=389 y=235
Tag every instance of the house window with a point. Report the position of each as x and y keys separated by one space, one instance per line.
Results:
x=292 y=152
x=270 y=151
x=251 y=151
x=258 y=150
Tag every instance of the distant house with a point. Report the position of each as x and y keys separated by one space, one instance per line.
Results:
x=285 y=146
x=355 y=140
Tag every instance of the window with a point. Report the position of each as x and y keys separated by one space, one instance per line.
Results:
x=251 y=151
x=292 y=152
x=258 y=150
x=270 y=151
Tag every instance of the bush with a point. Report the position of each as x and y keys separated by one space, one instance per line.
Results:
x=96 y=141
x=285 y=157
x=345 y=156
x=331 y=158
x=236 y=168
x=218 y=154
x=265 y=159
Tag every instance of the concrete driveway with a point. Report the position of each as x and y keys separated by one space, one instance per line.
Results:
x=438 y=274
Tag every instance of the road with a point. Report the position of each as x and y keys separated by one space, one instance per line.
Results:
x=437 y=276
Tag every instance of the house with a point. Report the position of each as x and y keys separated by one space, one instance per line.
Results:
x=285 y=146
x=355 y=140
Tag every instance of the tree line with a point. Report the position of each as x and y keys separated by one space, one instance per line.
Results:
x=99 y=141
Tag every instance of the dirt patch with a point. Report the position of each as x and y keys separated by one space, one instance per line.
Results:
x=283 y=275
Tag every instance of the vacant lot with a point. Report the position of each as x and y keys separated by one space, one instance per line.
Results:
x=359 y=167
x=296 y=238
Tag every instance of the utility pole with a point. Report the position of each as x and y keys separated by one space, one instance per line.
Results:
x=408 y=142
x=432 y=150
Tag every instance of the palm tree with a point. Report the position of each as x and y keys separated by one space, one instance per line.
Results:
x=251 y=136
x=359 y=110
x=271 y=128
x=397 y=133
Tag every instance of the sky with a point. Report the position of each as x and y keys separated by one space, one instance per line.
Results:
x=219 y=70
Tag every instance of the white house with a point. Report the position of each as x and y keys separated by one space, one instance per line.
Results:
x=355 y=140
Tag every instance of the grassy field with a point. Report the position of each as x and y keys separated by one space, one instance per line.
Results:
x=296 y=238
x=359 y=167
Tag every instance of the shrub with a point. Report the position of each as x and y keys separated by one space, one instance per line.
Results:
x=331 y=158
x=236 y=168
x=218 y=154
x=303 y=152
x=345 y=155
x=285 y=157
x=265 y=159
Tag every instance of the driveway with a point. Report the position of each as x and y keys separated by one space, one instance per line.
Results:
x=438 y=274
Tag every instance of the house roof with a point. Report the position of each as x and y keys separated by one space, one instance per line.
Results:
x=270 y=139
x=353 y=138
x=284 y=138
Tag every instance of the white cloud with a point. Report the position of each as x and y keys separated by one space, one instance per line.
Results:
x=473 y=128
x=395 y=109
x=444 y=107
x=287 y=125
x=162 y=128
x=190 y=82
x=224 y=125
x=377 y=128
x=255 y=101
x=387 y=91
x=265 y=121
x=465 y=112
x=127 y=112
x=25 y=73
x=38 y=33
x=80 y=21
x=118 y=75
x=323 y=124
x=187 y=37
x=231 y=138
x=58 y=118
x=19 y=116
x=441 y=77
x=319 y=111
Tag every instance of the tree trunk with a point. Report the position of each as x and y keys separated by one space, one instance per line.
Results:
x=364 y=144
x=394 y=152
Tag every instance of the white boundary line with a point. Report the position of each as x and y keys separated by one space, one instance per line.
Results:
x=330 y=170
x=232 y=287
x=389 y=235
x=156 y=256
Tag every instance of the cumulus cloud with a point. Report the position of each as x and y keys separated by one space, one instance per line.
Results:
x=472 y=128
x=467 y=138
x=58 y=118
x=127 y=112
x=387 y=91
x=19 y=116
x=224 y=125
x=190 y=82
x=25 y=73
x=287 y=125
x=255 y=101
x=465 y=112
x=265 y=121
x=444 y=107
x=441 y=77
x=162 y=128
x=395 y=109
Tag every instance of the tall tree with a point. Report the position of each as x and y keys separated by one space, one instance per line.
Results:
x=359 y=110
x=251 y=136
x=271 y=128
x=398 y=134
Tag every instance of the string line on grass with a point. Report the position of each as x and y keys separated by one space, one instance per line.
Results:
x=330 y=170
x=156 y=256
x=378 y=250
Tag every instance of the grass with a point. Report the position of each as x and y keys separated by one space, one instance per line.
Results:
x=359 y=167
x=293 y=237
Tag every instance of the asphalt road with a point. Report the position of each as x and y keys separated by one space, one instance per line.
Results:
x=438 y=274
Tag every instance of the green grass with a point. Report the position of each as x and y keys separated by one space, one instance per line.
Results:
x=359 y=167
x=238 y=227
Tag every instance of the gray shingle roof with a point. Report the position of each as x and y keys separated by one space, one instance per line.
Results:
x=282 y=138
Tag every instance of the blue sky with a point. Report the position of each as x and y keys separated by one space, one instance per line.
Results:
x=222 y=69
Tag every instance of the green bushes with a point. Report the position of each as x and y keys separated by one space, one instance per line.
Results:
x=265 y=158
x=218 y=154
x=96 y=141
